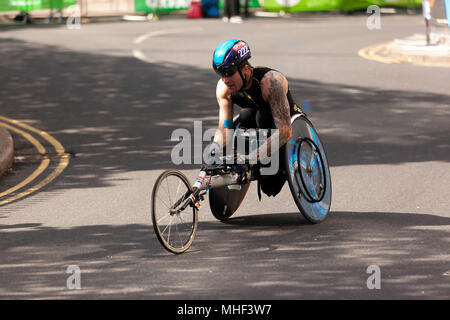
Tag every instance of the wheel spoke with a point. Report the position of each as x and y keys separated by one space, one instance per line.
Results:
x=179 y=236
x=178 y=188
x=168 y=189
x=168 y=226
x=163 y=218
x=168 y=207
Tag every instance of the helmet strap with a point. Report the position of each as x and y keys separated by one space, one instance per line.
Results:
x=244 y=81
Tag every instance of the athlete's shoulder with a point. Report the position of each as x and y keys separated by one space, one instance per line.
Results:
x=273 y=78
x=259 y=72
x=222 y=91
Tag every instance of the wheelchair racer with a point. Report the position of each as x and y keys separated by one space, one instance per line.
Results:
x=265 y=100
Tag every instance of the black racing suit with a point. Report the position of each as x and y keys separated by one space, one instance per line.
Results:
x=256 y=113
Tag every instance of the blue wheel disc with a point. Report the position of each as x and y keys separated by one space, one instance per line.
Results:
x=308 y=173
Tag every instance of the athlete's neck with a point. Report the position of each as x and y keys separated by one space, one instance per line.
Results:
x=249 y=80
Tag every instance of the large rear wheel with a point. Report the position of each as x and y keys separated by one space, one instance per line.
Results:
x=308 y=172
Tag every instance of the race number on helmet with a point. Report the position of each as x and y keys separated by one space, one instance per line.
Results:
x=229 y=55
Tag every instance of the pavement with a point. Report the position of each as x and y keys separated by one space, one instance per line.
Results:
x=414 y=49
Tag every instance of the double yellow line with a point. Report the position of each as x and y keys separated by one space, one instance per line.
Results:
x=370 y=52
x=17 y=126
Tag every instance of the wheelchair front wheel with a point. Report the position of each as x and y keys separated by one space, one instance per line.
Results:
x=174 y=226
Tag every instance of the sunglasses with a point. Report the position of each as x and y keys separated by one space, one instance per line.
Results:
x=226 y=71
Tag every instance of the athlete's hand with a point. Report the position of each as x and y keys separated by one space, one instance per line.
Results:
x=212 y=153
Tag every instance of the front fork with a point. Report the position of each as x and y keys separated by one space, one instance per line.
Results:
x=197 y=194
x=202 y=185
x=191 y=198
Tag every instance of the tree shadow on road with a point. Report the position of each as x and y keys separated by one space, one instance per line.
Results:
x=270 y=256
x=117 y=114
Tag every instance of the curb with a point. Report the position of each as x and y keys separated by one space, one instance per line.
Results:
x=412 y=50
x=6 y=151
x=415 y=50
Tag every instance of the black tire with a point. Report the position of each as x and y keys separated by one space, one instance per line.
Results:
x=310 y=185
x=171 y=186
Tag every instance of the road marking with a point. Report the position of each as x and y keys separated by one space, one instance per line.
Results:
x=55 y=143
x=63 y=159
x=60 y=168
x=369 y=53
x=43 y=165
x=138 y=54
x=27 y=136
x=144 y=37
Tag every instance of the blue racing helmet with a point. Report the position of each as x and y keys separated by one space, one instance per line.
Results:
x=229 y=55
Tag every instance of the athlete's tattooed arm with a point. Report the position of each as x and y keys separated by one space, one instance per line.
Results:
x=274 y=87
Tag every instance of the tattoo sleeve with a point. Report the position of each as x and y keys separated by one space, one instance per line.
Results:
x=275 y=89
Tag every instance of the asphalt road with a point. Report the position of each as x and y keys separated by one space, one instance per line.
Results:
x=112 y=94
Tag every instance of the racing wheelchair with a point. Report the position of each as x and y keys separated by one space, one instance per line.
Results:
x=176 y=202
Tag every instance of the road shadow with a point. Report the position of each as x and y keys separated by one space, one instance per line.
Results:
x=10 y=26
x=117 y=114
x=270 y=256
